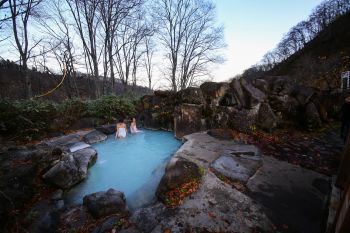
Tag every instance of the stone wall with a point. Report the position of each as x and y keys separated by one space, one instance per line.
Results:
x=266 y=103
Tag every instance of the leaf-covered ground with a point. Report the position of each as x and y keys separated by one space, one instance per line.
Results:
x=319 y=151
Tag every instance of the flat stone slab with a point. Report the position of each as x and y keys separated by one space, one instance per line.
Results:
x=94 y=137
x=292 y=197
x=236 y=168
x=64 y=140
x=78 y=146
x=238 y=162
x=215 y=207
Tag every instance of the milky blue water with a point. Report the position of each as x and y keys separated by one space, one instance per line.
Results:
x=133 y=165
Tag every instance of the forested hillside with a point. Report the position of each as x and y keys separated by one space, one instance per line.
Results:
x=314 y=52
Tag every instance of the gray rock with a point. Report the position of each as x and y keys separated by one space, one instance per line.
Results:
x=85 y=158
x=304 y=94
x=64 y=174
x=239 y=163
x=244 y=119
x=191 y=95
x=279 y=186
x=107 y=129
x=94 y=137
x=266 y=118
x=64 y=140
x=57 y=195
x=213 y=92
x=175 y=175
x=130 y=230
x=236 y=168
x=222 y=116
x=107 y=225
x=238 y=93
x=75 y=217
x=261 y=84
x=59 y=204
x=253 y=95
x=78 y=146
x=71 y=169
x=101 y=204
x=146 y=219
x=312 y=116
x=187 y=119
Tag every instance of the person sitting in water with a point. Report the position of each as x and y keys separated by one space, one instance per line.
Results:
x=121 y=130
x=133 y=128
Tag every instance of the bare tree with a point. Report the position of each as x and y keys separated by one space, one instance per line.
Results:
x=128 y=44
x=148 y=59
x=61 y=44
x=187 y=31
x=21 y=12
x=87 y=20
x=113 y=13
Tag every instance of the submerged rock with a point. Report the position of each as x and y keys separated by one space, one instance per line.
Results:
x=102 y=204
x=94 y=137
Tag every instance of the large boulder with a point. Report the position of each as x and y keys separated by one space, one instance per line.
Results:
x=188 y=119
x=75 y=218
x=85 y=158
x=237 y=91
x=261 y=84
x=222 y=116
x=20 y=171
x=71 y=169
x=266 y=119
x=102 y=204
x=64 y=140
x=253 y=95
x=213 y=92
x=244 y=119
x=304 y=94
x=64 y=174
x=106 y=129
x=190 y=95
x=280 y=85
x=312 y=116
x=222 y=134
x=94 y=137
x=176 y=174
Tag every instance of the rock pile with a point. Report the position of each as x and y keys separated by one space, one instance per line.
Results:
x=265 y=103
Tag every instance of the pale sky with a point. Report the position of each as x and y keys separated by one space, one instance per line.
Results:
x=253 y=27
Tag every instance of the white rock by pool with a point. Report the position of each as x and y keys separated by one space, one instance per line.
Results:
x=133 y=165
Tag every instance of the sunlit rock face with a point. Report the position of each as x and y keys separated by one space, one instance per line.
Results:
x=266 y=103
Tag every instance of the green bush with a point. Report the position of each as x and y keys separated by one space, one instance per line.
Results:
x=27 y=117
x=111 y=107
x=72 y=110
x=31 y=118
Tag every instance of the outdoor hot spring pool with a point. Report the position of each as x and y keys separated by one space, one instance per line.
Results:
x=133 y=165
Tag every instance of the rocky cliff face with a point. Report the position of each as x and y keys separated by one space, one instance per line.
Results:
x=244 y=105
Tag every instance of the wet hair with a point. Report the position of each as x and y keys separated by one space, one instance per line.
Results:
x=121 y=120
